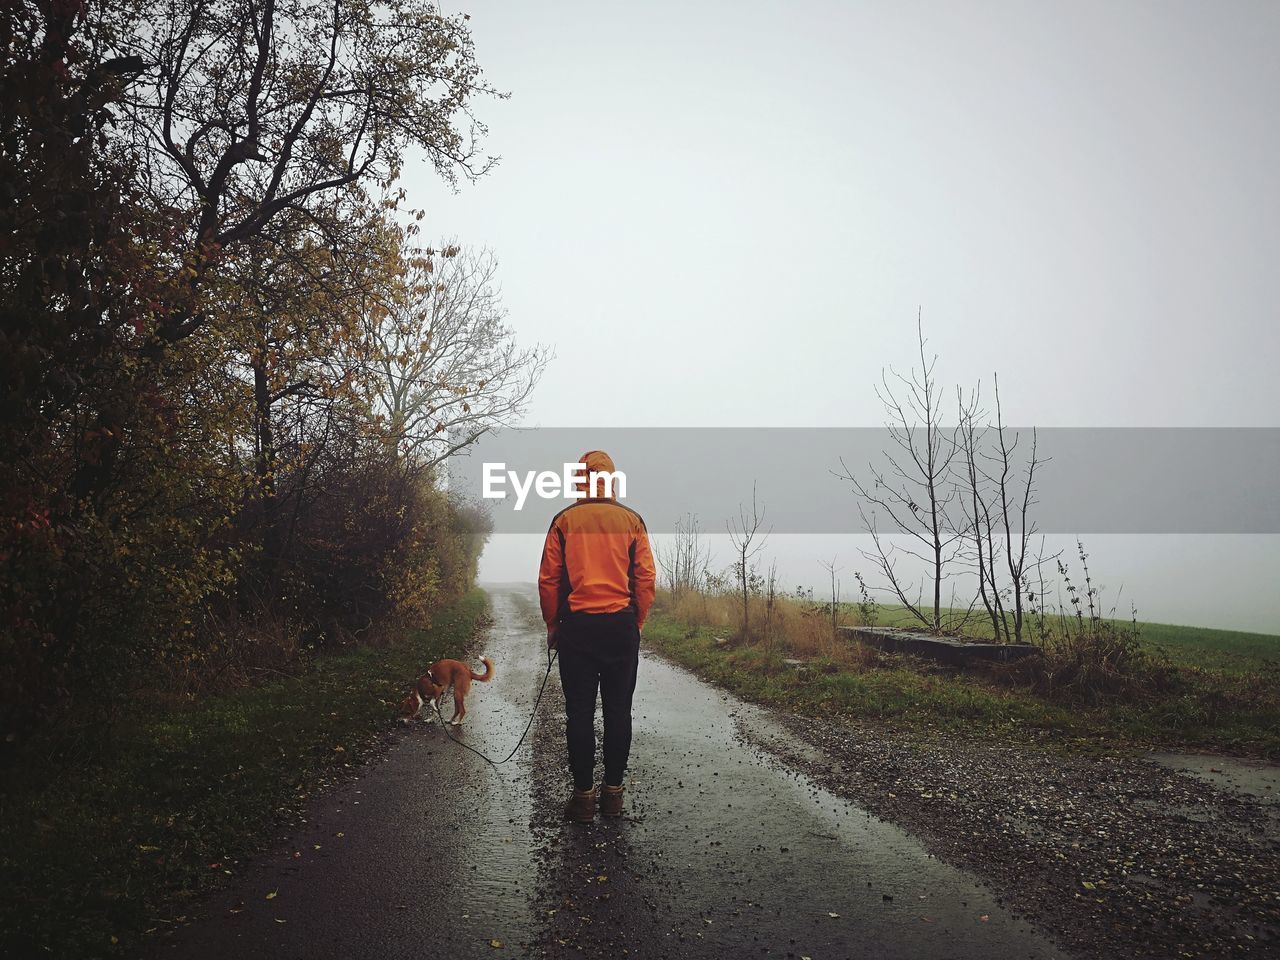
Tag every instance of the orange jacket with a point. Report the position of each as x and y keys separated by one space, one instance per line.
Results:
x=596 y=558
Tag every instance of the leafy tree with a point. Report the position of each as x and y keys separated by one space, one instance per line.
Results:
x=75 y=286
x=293 y=325
x=254 y=108
x=197 y=224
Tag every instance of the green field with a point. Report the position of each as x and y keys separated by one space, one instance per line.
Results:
x=107 y=834
x=1231 y=650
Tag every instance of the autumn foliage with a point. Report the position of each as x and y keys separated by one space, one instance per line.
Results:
x=202 y=243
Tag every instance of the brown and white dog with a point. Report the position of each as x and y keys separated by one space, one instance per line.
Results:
x=443 y=675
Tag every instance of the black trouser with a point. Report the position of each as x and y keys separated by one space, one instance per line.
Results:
x=598 y=651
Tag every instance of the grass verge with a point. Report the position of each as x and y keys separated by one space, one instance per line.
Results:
x=1210 y=709
x=119 y=830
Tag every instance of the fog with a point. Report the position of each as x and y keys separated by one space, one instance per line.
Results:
x=1150 y=575
x=729 y=214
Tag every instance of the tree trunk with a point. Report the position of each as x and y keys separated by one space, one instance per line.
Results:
x=265 y=461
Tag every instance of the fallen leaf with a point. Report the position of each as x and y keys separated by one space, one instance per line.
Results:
x=833 y=914
x=273 y=894
x=496 y=944
x=984 y=918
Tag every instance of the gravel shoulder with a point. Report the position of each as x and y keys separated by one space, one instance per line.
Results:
x=1113 y=854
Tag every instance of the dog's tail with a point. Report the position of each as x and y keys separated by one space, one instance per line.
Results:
x=488 y=671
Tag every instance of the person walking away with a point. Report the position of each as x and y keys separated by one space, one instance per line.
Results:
x=596 y=584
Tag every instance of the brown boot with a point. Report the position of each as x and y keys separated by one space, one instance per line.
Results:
x=610 y=801
x=581 y=807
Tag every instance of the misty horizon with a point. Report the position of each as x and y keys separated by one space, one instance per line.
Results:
x=738 y=219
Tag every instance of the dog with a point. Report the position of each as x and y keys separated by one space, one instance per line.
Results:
x=432 y=685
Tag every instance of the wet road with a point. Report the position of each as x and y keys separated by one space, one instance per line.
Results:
x=724 y=852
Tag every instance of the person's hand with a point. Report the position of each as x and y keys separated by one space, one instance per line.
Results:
x=551 y=636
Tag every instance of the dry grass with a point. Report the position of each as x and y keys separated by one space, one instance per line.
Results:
x=790 y=629
x=1098 y=661
x=1086 y=659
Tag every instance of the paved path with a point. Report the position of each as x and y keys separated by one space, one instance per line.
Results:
x=724 y=853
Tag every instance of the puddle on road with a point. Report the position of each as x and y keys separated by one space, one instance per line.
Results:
x=1253 y=778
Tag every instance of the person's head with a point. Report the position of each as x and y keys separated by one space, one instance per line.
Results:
x=596 y=462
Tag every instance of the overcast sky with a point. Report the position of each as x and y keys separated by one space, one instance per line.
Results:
x=728 y=214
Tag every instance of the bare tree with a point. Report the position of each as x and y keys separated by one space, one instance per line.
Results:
x=978 y=515
x=445 y=367
x=832 y=571
x=684 y=558
x=747 y=539
x=770 y=603
x=997 y=500
x=918 y=487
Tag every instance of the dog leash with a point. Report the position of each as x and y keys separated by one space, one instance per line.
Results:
x=551 y=659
